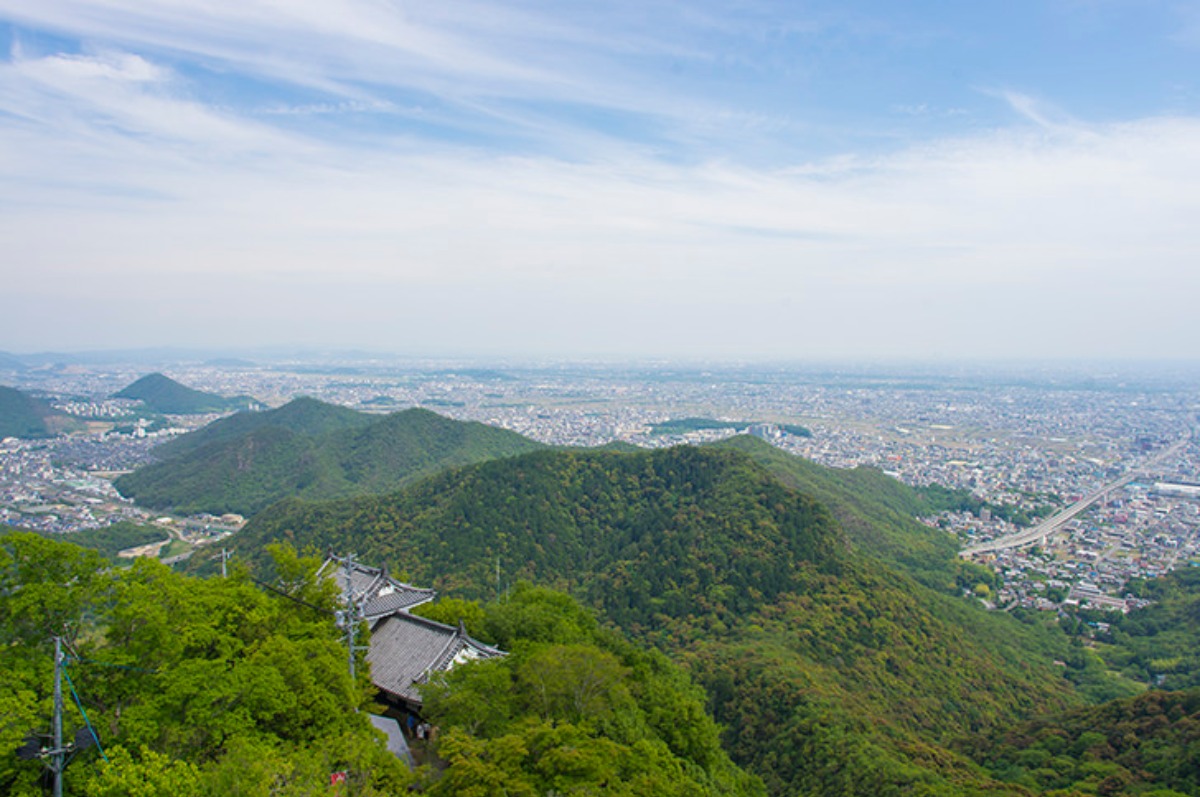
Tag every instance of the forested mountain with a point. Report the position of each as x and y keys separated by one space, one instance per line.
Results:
x=1159 y=644
x=216 y=687
x=162 y=394
x=1147 y=745
x=248 y=461
x=10 y=362
x=574 y=709
x=22 y=415
x=832 y=672
x=877 y=512
x=304 y=415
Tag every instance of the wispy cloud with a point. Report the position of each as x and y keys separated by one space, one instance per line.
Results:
x=348 y=170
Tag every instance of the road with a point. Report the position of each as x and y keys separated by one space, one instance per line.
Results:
x=1047 y=527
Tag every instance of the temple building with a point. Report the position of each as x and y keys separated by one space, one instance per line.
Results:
x=405 y=650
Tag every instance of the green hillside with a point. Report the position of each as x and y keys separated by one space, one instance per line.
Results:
x=1159 y=644
x=111 y=540
x=1148 y=745
x=196 y=686
x=575 y=709
x=204 y=687
x=876 y=511
x=22 y=415
x=248 y=461
x=162 y=394
x=832 y=672
x=304 y=415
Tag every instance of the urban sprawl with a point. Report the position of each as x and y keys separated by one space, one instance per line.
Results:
x=1026 y=448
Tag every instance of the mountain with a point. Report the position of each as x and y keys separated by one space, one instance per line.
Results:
x=162 y=394
x=1148 y=744
x=304 y=416
x=1160 y=643
x=832 y=671
x=22 y=415
x=221 y=686
x=312 y=450
x=876 y=511
x=10 y=362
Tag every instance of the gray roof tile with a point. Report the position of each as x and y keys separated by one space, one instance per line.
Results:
x=405 y=649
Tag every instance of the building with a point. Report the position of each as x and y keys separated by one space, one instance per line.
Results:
x=405 y=650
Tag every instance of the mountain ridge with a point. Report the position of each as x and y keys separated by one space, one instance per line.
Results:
x=704 y=553
x=22 y=415
x=247 y=461
x=161 y=393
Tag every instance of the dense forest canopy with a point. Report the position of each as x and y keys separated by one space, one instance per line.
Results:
x=247 y=461
x=161 y=393
x=771 y=601
x=217 y=687
x=828 y=644
x=22 y=415
x=192 y=685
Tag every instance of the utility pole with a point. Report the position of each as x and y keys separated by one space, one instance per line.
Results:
x=55 y=754
x=58 y=754
x=352 y=615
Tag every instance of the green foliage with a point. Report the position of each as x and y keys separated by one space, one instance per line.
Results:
x=197 y=687
x=856 y=684
x=48 y=588
x=648 y=538
x=149 y=774
x=453 y=611
x=111 y=540
x=685 y=425
x=248 y=461
x=876 y=511
x=162 y=394
x=942 y=499
x=22 y=415
x=304 y=416
x=796 y=430
x=1124 y=747
x=1160 y=644
x=704 y=553
x=574 y=709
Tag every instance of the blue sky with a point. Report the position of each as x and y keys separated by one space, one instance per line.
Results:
x=735 y=180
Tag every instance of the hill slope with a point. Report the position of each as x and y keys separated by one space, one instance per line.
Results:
x=22 y=415
x=876 y=511
x=248 y=461
x=304 y=415
x=10 y=362
x=832 y=672
x=1122 y=747
x=162 y=394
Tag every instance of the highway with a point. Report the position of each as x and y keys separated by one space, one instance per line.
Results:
x=1050 y=525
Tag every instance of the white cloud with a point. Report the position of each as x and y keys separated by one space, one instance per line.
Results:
x=1048 y=234
x=126 y=186
x=79 y=96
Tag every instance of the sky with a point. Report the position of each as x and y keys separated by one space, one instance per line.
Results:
x=733 y=180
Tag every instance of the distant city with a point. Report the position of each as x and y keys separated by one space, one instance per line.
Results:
x=1027 y=444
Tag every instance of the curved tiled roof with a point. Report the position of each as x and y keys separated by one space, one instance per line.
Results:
x=373 y=589
x=405 y=649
